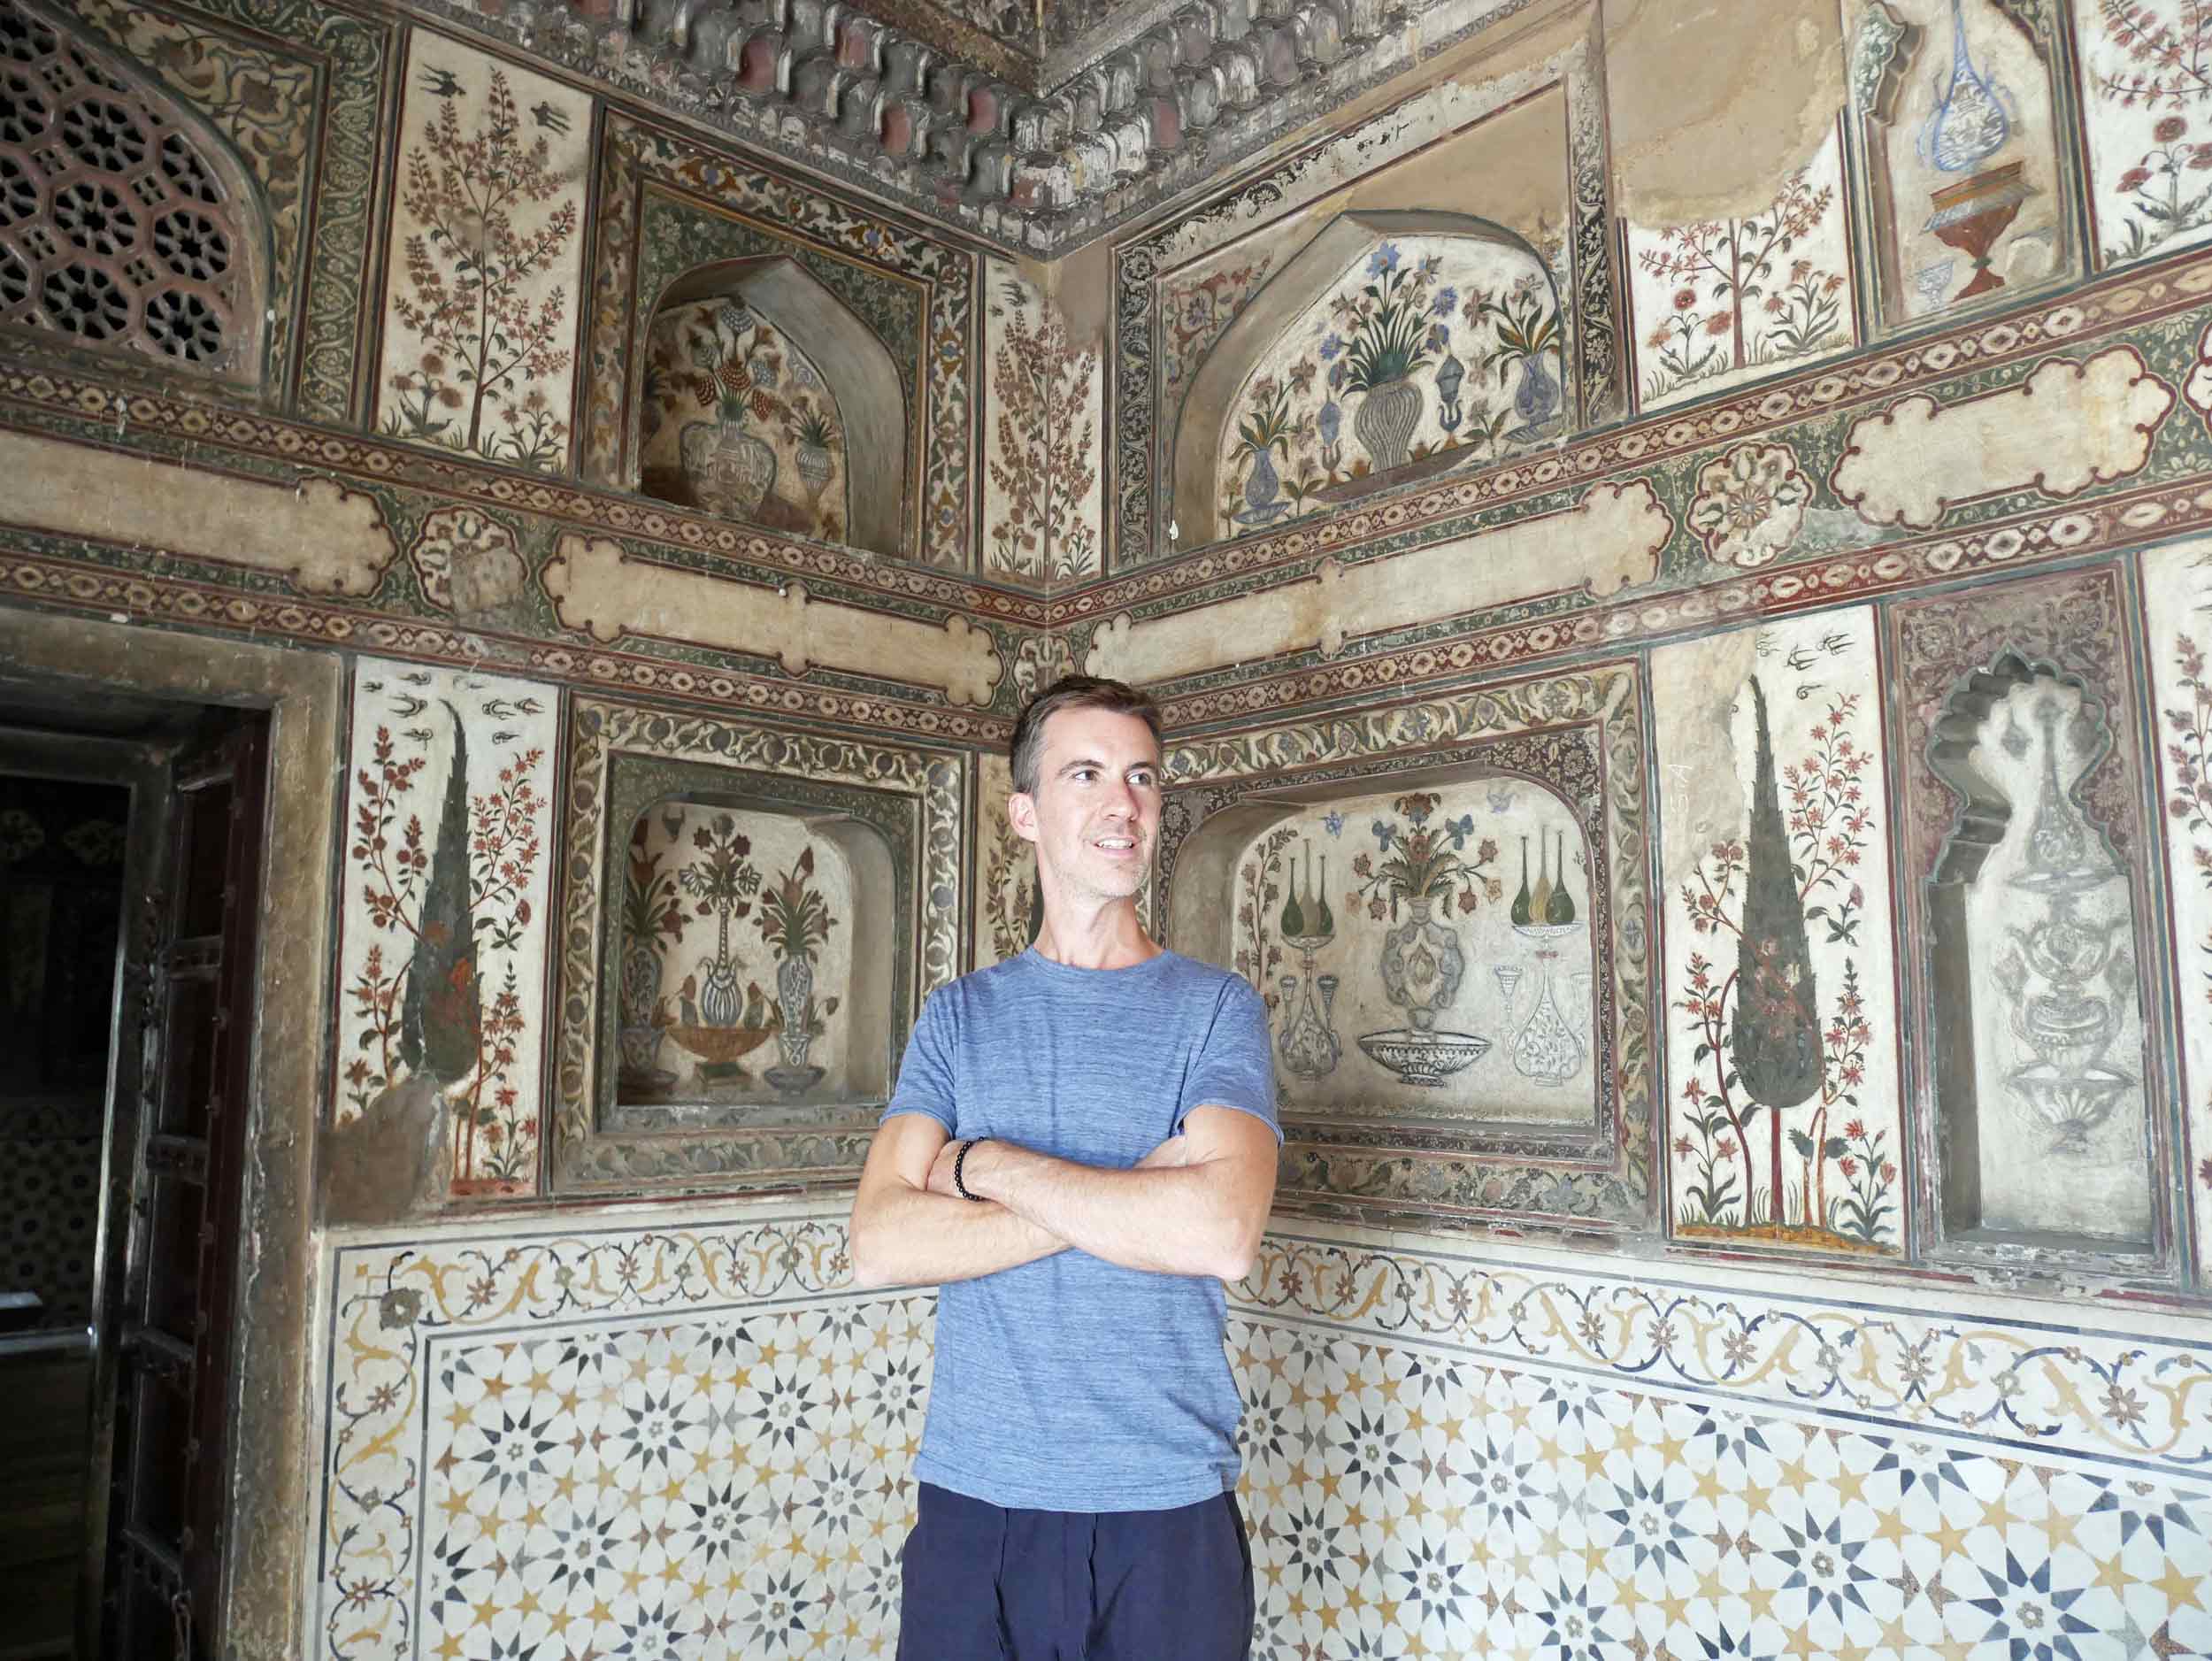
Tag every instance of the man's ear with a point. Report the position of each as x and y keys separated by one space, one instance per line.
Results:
x=1021 y=814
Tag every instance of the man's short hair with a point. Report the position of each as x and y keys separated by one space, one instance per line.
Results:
x=1072 y=692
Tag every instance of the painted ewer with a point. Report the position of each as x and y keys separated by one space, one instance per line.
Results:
x=729 y=470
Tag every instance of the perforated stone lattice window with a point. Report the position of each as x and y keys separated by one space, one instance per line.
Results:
x=120 y=223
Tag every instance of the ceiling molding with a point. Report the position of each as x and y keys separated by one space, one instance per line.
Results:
x=1038 y=151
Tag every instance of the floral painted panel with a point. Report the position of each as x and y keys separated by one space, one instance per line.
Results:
x=1008 y=908
x=1965 y=185
x=1042 y=494
x=737 y=939
x=2146 y=102
x=2178 y=596
x=1426 y=954
x=737 y=420
x=442 y=938
x=1717 y=302
x=1427 y=352
x=480 y=321
x=1782 y=1033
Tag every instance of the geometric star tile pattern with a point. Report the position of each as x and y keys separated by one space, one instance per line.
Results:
x=628 y=1462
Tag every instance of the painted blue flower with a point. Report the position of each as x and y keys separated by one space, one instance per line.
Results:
x=1440 y=337
x=1431 y=263
x=1331 y=345
x=1447 y=300
x=1383 y=258
x=1386 y=833
x=1461 y=829
x=1332 y=821
x=1332 y=421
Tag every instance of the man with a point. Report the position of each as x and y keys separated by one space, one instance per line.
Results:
x=1081 y=1151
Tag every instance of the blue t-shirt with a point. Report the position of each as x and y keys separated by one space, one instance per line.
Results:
x=1071 y=1384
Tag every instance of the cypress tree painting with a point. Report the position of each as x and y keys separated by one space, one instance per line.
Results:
x=1786 y=1122
x=1776 y=1036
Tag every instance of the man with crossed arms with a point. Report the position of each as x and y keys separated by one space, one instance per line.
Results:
x=1081 y=1152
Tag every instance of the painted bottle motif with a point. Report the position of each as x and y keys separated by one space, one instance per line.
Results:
x=1522 y=915
x=1561 y=907
x=1539 y=902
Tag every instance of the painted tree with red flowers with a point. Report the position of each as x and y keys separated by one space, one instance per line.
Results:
x=483 y=238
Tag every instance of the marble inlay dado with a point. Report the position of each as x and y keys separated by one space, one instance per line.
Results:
x=653 y=1439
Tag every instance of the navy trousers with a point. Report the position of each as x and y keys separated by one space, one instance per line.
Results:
x=986 y=1584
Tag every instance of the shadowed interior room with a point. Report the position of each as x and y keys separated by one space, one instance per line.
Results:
x=1673 y=546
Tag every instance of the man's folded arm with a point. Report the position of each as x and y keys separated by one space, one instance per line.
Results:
x=903 y=1234
x=1197 y=1204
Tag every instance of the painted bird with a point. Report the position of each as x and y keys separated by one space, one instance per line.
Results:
x=440 y=83
x=549 y=117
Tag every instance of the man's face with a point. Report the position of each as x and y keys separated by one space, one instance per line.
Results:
x=1096 y=809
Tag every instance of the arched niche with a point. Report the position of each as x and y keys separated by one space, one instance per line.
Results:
x=750 y=460
x=1277 y=395
x=127 y=222
x=2042 y=1123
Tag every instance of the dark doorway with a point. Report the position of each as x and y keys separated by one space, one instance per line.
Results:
x=130 y=855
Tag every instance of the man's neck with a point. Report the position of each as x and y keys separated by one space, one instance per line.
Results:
x=1105 y=935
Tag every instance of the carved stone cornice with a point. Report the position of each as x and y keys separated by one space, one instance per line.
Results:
x=1037 y=152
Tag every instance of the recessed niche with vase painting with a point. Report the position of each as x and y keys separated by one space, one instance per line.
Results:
x=1444 y=905
x=1425 y=952
x=749 y=959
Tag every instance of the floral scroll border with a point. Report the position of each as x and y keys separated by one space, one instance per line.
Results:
x=1393 y=1172
x=633 y=155
x=585 y=1159
x=1137 y=517
x=2121 y=1396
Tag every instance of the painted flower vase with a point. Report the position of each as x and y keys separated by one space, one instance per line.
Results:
x=794 y=991
x=1384 y=421
x=640 y=980
x=1421 y=966
x=1537 y=397
x=812 y=462
x=729 y=470
x=1263 y=504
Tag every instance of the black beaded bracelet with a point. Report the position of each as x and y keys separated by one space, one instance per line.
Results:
x=959 y=1171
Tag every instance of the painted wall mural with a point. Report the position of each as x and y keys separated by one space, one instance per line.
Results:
x=2178 y=602
x=487 y=260
x=667 y=205
x=1785 y=1105
x=1196 y=306
x=738 y=420
x=737 y=931
x=1536 y=135
x=2147 y=104
x=1964 y=175
x=1719 y=302
x=304 y=118
x=2015 y=716
x=443 y=938
x=1010 y=909
x=1042 y=492
x=1435 y=350
x=1443 y=968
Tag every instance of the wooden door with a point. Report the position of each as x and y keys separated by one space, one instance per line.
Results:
x=172 y=1366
